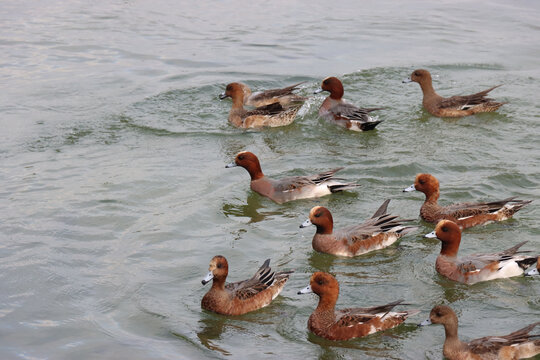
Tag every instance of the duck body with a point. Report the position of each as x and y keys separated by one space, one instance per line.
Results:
x=271 y=115
x=378 y=232
x=243 y=296
x=345 y=324
x=476 y=267
x=455 y=106
x=339 y=112
x=290 y=188
x=465 y=214
x=519 y=344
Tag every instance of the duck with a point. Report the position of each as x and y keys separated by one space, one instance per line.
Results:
x=284 y=96
x=272 y=115
x=345 y=324
x=455 y=106
x=476 y=267
x=337 y=111
x=378 y=232
x=517 y=345
x=464 y=214
x=241 y=297
x=290 y=188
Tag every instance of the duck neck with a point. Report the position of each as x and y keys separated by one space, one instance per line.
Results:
x=325 y=228
x=255 y=170
x=337 y=92
x=432 y=197
x=427 y=88
x=451 y=331
x=450 y=248
x=327 y=302
x=237 y=101
x=218 y=283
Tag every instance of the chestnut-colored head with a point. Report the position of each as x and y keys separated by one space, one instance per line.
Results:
x=235 y=91
x=324 y=284
x=250 y=162
x=442 y=314
x=334 y=86
x=421 y=76
x=218 y=270
x=246 y=159
x=426 y=183
x=322 y=218
x=450 y=235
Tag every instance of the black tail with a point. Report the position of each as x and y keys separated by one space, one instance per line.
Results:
x=525 y=263
x=383 y=209
x=370 y=125
x=342 y=187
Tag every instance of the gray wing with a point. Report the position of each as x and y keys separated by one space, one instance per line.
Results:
x=478 y=261
x=272 y=109
x=295 y=182
x=465 y=209
x=368 y=228
x=467 y=100
x=268 y=94
x=263 y=278
x=350 y=112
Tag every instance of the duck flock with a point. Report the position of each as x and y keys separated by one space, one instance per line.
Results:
x=278 y=107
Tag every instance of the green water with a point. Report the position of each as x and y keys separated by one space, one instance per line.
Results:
x=115 y=196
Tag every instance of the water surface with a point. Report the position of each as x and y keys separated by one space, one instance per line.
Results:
x=114 y=195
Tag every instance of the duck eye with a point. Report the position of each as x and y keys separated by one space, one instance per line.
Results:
x=241 y=157
x=320 y=282
x=318 y=214
x=444 y=229
x=422 y=181
x=416 y=73
x=219 y=265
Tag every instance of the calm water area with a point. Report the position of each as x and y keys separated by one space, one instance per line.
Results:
x=114 y=196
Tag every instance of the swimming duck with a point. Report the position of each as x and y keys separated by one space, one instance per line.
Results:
x=464 y=214
x=335 y=110
x=272 y=115
x=291 y=188
x=378 y=232
x=517 y=345
x=345 y=324
x=476 y=267
x=455 y=106
x=285 y=96
x=243 y=296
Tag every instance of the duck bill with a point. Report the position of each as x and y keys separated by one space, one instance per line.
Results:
x=431 y=235
x=305 y=290
x=319 y=90
x=425 y=322
x=410 y=188
x=207 y=279
x=532 y=272
x=223 y=96
x=407 y=80
x=306 y=224
x=230 y=165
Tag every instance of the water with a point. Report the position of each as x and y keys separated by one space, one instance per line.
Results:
x=114 y=195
